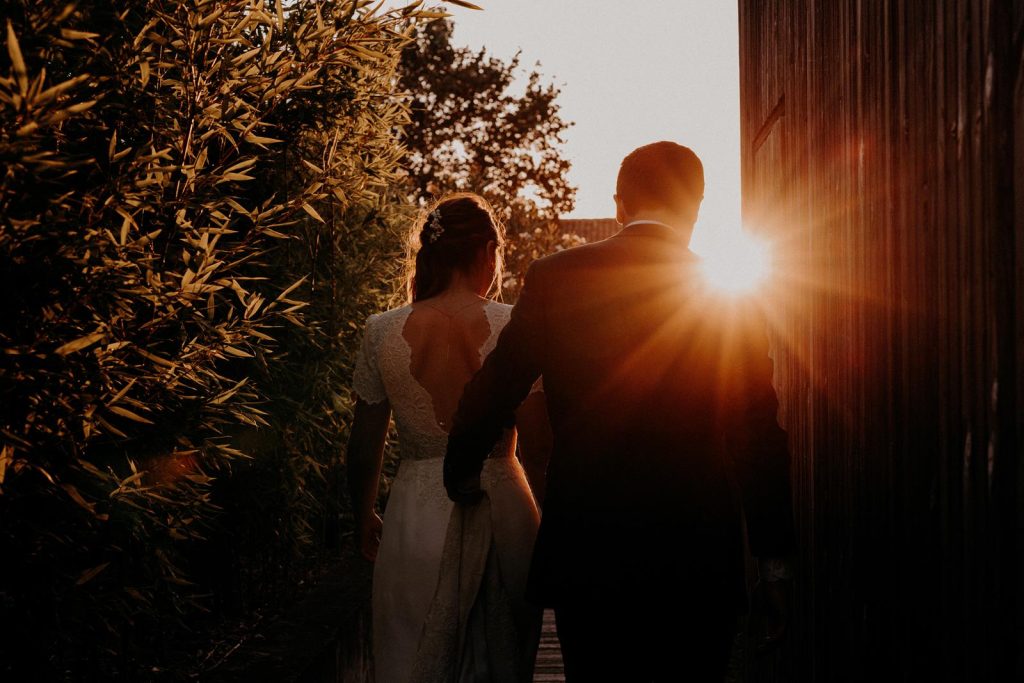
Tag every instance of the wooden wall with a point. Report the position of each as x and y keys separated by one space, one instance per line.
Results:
x=879 y=155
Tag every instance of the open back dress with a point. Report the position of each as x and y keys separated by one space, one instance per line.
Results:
x=449 y=581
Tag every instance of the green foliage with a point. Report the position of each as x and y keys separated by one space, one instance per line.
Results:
x=469 y=131
x=194 y=221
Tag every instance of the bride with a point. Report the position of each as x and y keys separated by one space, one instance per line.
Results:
x=448 y=581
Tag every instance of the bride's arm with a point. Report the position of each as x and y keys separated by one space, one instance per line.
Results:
x=364 y=456
x=534 y=441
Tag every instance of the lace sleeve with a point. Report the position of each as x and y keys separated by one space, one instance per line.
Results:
x=366 y=380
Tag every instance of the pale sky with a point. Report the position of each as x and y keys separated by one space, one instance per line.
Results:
x=630 y=73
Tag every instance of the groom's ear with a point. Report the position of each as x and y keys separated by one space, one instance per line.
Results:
x=620 y=213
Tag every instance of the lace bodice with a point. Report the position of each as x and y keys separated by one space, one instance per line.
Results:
x=384 y=372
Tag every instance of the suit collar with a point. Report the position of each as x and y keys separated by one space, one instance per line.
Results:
x=654 y=229
x=647 y=222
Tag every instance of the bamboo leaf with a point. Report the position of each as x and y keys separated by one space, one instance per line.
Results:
x=90 y=574
x=65 y=13
x=156 y=358
x=237 y=352
x=71 y=34
x=119 y=395
x=178 y=580
x=292 y=287
x=131 y=479
x=312 y=212
x=124 y=412
x=6 y=458
x=80 y=343
x=307 y=77
x=77 y=497
x=57 y=90
x=212 y=17
x=134 y=592
x=246 y=56
x=229 y=393
x=90 y=468
x=109 y=427
x=29 y=127
x=80 y=107
x=258 y=140
x=240 y=165
x=240 y=177
x=17 y=61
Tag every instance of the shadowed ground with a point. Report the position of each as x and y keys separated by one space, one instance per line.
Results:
x=324 y=638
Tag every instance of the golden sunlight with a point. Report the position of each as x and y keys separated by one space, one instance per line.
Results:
x=736 y=263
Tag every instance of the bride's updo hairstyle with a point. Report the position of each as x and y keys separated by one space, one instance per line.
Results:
x=451 y=236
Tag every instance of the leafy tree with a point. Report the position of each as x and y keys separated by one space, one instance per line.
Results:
x=469 y=130
x=194 y=221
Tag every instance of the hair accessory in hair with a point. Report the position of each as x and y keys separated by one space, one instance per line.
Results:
x=434 y=226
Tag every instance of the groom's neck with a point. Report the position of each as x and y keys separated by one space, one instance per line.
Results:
x=682 y=227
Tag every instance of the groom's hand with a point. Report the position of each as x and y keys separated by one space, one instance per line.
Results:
x=461 y=485
x=465 y=490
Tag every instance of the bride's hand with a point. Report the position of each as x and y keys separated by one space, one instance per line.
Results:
x=369 y=536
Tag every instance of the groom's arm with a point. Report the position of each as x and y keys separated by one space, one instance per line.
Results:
x=490 y=399
x=759 y=446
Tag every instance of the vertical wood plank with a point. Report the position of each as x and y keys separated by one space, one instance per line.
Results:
x=893 y=193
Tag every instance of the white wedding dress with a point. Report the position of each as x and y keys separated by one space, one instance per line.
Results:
x=420 y=579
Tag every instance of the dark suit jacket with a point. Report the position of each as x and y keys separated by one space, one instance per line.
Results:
x=664 y=420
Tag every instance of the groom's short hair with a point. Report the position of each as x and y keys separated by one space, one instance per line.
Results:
x=660 y=175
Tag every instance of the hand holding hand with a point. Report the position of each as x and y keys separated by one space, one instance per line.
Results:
x=369 y=536
x=466 y=490
x=462 y=486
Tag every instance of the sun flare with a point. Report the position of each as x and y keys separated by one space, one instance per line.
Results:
x=736 y=264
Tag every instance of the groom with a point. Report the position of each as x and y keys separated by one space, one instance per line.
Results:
x=664 y=419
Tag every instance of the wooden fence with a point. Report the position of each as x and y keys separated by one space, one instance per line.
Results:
x=880 y=156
